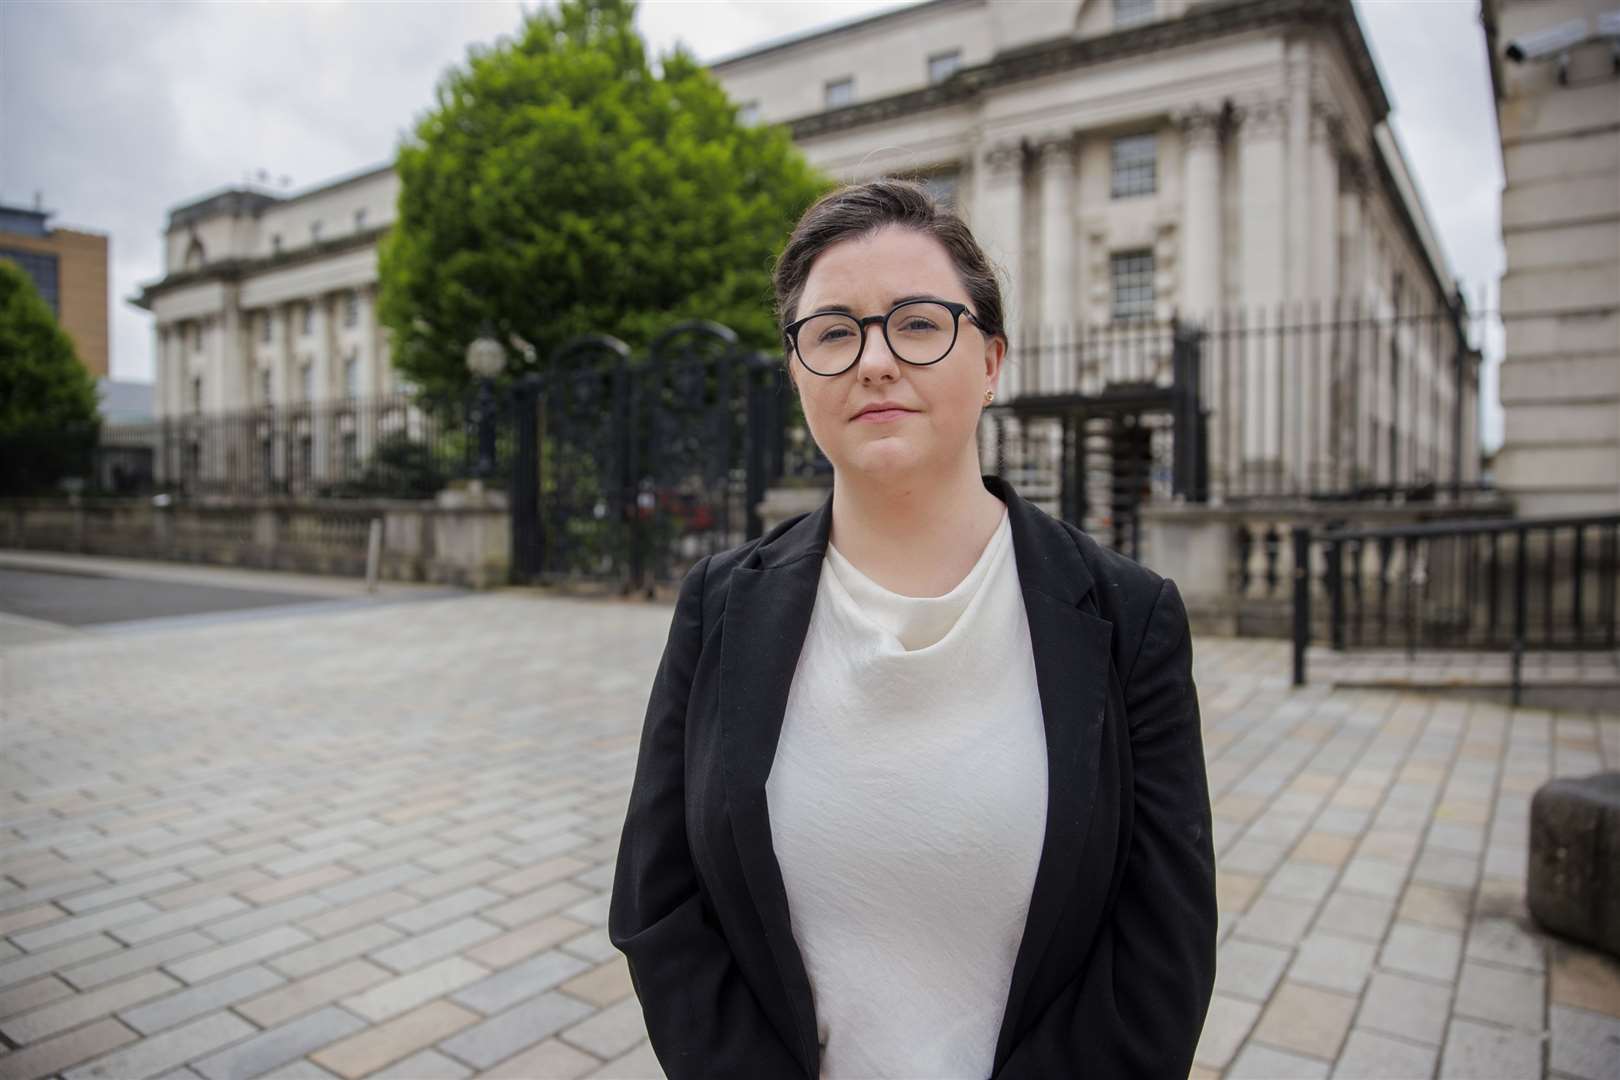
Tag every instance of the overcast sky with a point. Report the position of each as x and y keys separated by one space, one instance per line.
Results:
x=113 y=112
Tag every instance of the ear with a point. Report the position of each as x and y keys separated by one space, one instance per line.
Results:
x=995 y=353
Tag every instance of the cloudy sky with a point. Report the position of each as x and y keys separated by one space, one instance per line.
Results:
x=112 y=112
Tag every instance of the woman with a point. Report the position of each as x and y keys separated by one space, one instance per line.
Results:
x=920 y=789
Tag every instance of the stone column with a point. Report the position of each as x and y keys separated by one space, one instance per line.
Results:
x=1263 y=233
x=1200 y=213
x=1055 y=157
x=1353 y=396
x=998 y=224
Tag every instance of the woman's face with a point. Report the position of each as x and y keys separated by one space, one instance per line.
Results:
x=867 y=276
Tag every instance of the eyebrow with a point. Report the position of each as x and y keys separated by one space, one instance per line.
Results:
x=896 y=302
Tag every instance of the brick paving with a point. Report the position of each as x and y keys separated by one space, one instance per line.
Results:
x=378 y=842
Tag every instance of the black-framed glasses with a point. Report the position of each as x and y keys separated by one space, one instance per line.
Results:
x=919 y=332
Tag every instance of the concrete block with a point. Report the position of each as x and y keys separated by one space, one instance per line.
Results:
x=1574 y=881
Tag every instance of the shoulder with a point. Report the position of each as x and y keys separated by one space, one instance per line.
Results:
x=713 y=572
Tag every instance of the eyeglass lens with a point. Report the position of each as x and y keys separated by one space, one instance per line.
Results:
x=919 y=333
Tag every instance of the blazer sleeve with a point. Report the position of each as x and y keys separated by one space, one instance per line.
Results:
x=1138 y=1006
x=702 y=1017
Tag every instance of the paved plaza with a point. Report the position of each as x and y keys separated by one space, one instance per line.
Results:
x=378 y=841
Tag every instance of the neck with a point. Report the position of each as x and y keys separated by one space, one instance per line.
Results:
x=917 y=535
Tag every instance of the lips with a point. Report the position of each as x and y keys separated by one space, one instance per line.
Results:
x=881 y=407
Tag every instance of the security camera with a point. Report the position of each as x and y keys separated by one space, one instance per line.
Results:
x=1552 y=43
x=1549 y=42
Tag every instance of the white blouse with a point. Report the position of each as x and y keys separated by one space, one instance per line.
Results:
x=907 y=805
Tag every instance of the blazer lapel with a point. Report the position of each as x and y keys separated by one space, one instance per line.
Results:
x=767 y=618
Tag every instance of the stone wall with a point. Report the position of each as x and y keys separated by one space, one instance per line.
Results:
x=461 y=538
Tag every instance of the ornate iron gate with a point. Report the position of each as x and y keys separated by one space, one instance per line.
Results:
x=629 y=469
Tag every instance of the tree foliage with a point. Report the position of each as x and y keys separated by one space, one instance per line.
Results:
x=43 y=387
x=562 y=186
x=48 y=412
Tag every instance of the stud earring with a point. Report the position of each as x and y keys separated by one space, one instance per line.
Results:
x=989 y=396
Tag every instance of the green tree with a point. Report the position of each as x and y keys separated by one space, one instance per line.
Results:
x=562 y=186
x=48 y=413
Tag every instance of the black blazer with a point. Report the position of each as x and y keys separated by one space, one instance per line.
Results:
x=1117 y=962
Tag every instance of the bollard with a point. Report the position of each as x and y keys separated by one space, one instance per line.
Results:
x=373 y=554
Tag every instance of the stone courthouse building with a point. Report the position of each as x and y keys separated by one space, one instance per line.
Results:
x=1555 y=65
x=1123 y=160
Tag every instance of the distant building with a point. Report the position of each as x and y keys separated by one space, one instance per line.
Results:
x=1555 y=65
x=1121 y=159
x=124 y=402
x=69 y=267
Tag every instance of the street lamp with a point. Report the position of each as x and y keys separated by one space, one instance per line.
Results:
x=486 y=358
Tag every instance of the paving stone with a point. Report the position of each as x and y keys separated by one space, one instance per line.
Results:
x=405 y=992
x=366 y=910
x=267 y=917
x=1249 y=969
x=80 y=903
x=532 y=906
x=1261 y=1062
x=525 y=941
x=32 y=995
x=23 y=968
x=62 y=1015
x=428 y=915
x=87 y=976
x=1483 y=1052
x=603 y=984
x=293 y=999
x=528 y=979
x=1413 y=1009
x=1353 y=915
x=415 y=952
x=593 y=945
x=335 y=950
x=1506 y=943
x=1445 y=909
x=424 y=1064
x=164 y=1051
x=1373 y=877
x=1332 y=962
x=1281 y=922
x=1226 y=1025
x=1503 y=996
x=1581 y=977
x=1585 y=1044
x=66 y=1050
x=194 y=969
x=184 y=918
x=309 y=880
x=1422 y=950
x=1370 y=1056
x=1306 y=1020
x=281 y=1045
x=217 y=994
x=383 y=1044
x=639 y=1064
x=501 y=1036
x=552 y=1059
x=64 y=930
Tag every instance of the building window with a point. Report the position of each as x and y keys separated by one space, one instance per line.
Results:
x=275 y=243
x=43 y=269
x=942 y=66
x=306 y=381
x=264 y=326
x=359 y=219
x=351 y=374
x=840 y=92
x=748 y=113
x=351 y=308
x=196 y=337
x=196 y=393
x=264 y=386
x=1135 y=166
x=351 y=453
x=1132 y=275
x=314 y=232
x=306 y=318
x=1132 y=12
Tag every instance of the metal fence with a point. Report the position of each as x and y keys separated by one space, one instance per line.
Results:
x=1354 y=399
x=1511 y=586
x=397 y=446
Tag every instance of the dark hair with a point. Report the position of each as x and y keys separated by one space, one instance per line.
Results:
x=857 y=210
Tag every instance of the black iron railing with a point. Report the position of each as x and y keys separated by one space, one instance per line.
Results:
x=1514 y=586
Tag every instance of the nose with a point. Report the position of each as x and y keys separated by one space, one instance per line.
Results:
x=876 y=358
